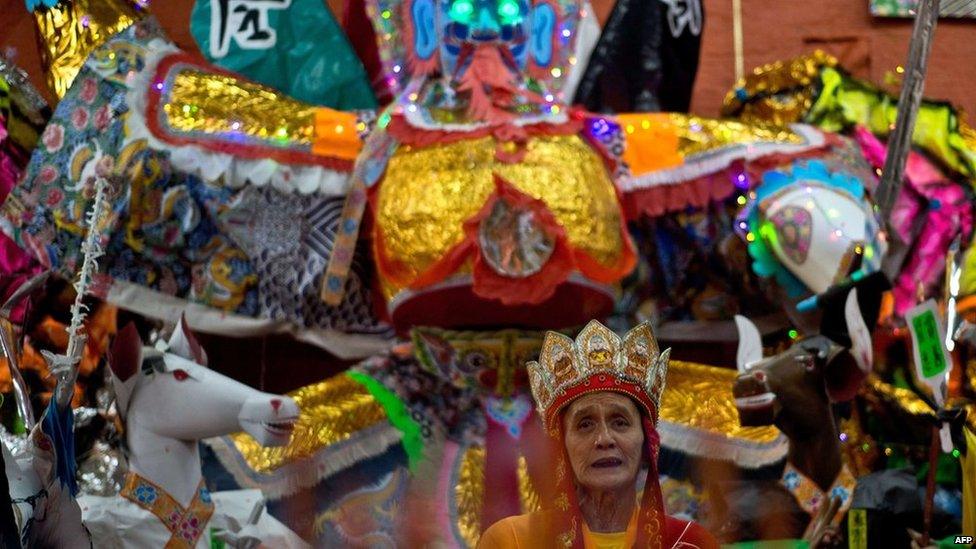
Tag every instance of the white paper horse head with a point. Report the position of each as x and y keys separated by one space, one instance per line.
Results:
x=169 y=400
x=171 y=392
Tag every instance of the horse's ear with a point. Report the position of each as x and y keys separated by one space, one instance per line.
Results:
x=750 y=344
x=124 y=361
x=846 y=370
x=842 y=375
x=183 y=343
x=125 y=354
x=861 y=346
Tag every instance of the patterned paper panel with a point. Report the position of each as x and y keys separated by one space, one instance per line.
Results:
x=906 y=8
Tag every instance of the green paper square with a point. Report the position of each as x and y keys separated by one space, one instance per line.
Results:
x=929 y=344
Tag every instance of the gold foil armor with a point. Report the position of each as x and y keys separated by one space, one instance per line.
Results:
x=469 y=492
x=429 y=193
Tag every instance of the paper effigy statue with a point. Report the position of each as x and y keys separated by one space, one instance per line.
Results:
x=479 y=198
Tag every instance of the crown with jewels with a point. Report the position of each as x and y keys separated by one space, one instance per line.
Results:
x=599 y=360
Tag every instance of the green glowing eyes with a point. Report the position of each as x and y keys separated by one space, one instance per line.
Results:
x=462 y=11
x=508 y=12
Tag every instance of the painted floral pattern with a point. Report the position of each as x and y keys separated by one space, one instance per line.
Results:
x=168 y=230
x=146 y=494
x=185 y=525
x=79 y=118
x=809 y=495
x=190 y=529
x=53 y=137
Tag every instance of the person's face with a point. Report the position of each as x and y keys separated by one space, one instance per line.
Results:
x=604 y=440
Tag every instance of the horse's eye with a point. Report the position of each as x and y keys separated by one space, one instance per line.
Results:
x=180 y=375
x=808 y=361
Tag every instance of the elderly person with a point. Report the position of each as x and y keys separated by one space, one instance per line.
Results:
x=598 y=398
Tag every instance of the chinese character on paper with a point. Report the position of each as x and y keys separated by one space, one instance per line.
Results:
x=243 y=21
x=684 y=14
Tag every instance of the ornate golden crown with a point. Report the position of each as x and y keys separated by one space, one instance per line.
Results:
x=598 y=361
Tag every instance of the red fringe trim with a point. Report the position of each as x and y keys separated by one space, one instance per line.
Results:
x=715 y=187
x=661 y=199
x=403 y=132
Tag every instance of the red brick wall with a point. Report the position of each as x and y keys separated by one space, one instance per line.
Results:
x=868 y=46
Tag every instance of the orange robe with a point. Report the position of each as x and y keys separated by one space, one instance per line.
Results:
x=526 y=532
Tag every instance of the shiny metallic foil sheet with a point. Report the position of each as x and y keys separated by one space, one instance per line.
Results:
x=200 y=102
x=702 y=135
x=469 y=492
x=700 y=397
x=779 y=92
x=70 y=32
x=428 y=194
x=331 y=411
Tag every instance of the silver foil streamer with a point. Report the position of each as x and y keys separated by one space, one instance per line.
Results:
x=102 y=471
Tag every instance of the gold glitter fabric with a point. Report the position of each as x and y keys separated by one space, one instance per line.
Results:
x=913 y=404
x=331 y=411
x=528 y=496
x=208 y=103
x=698 y=135
x=700 y=397
x=780 y=92
x=902 y=398
x=428 y=193
x=70 y=31
x=469 y=494
x=470 y=490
